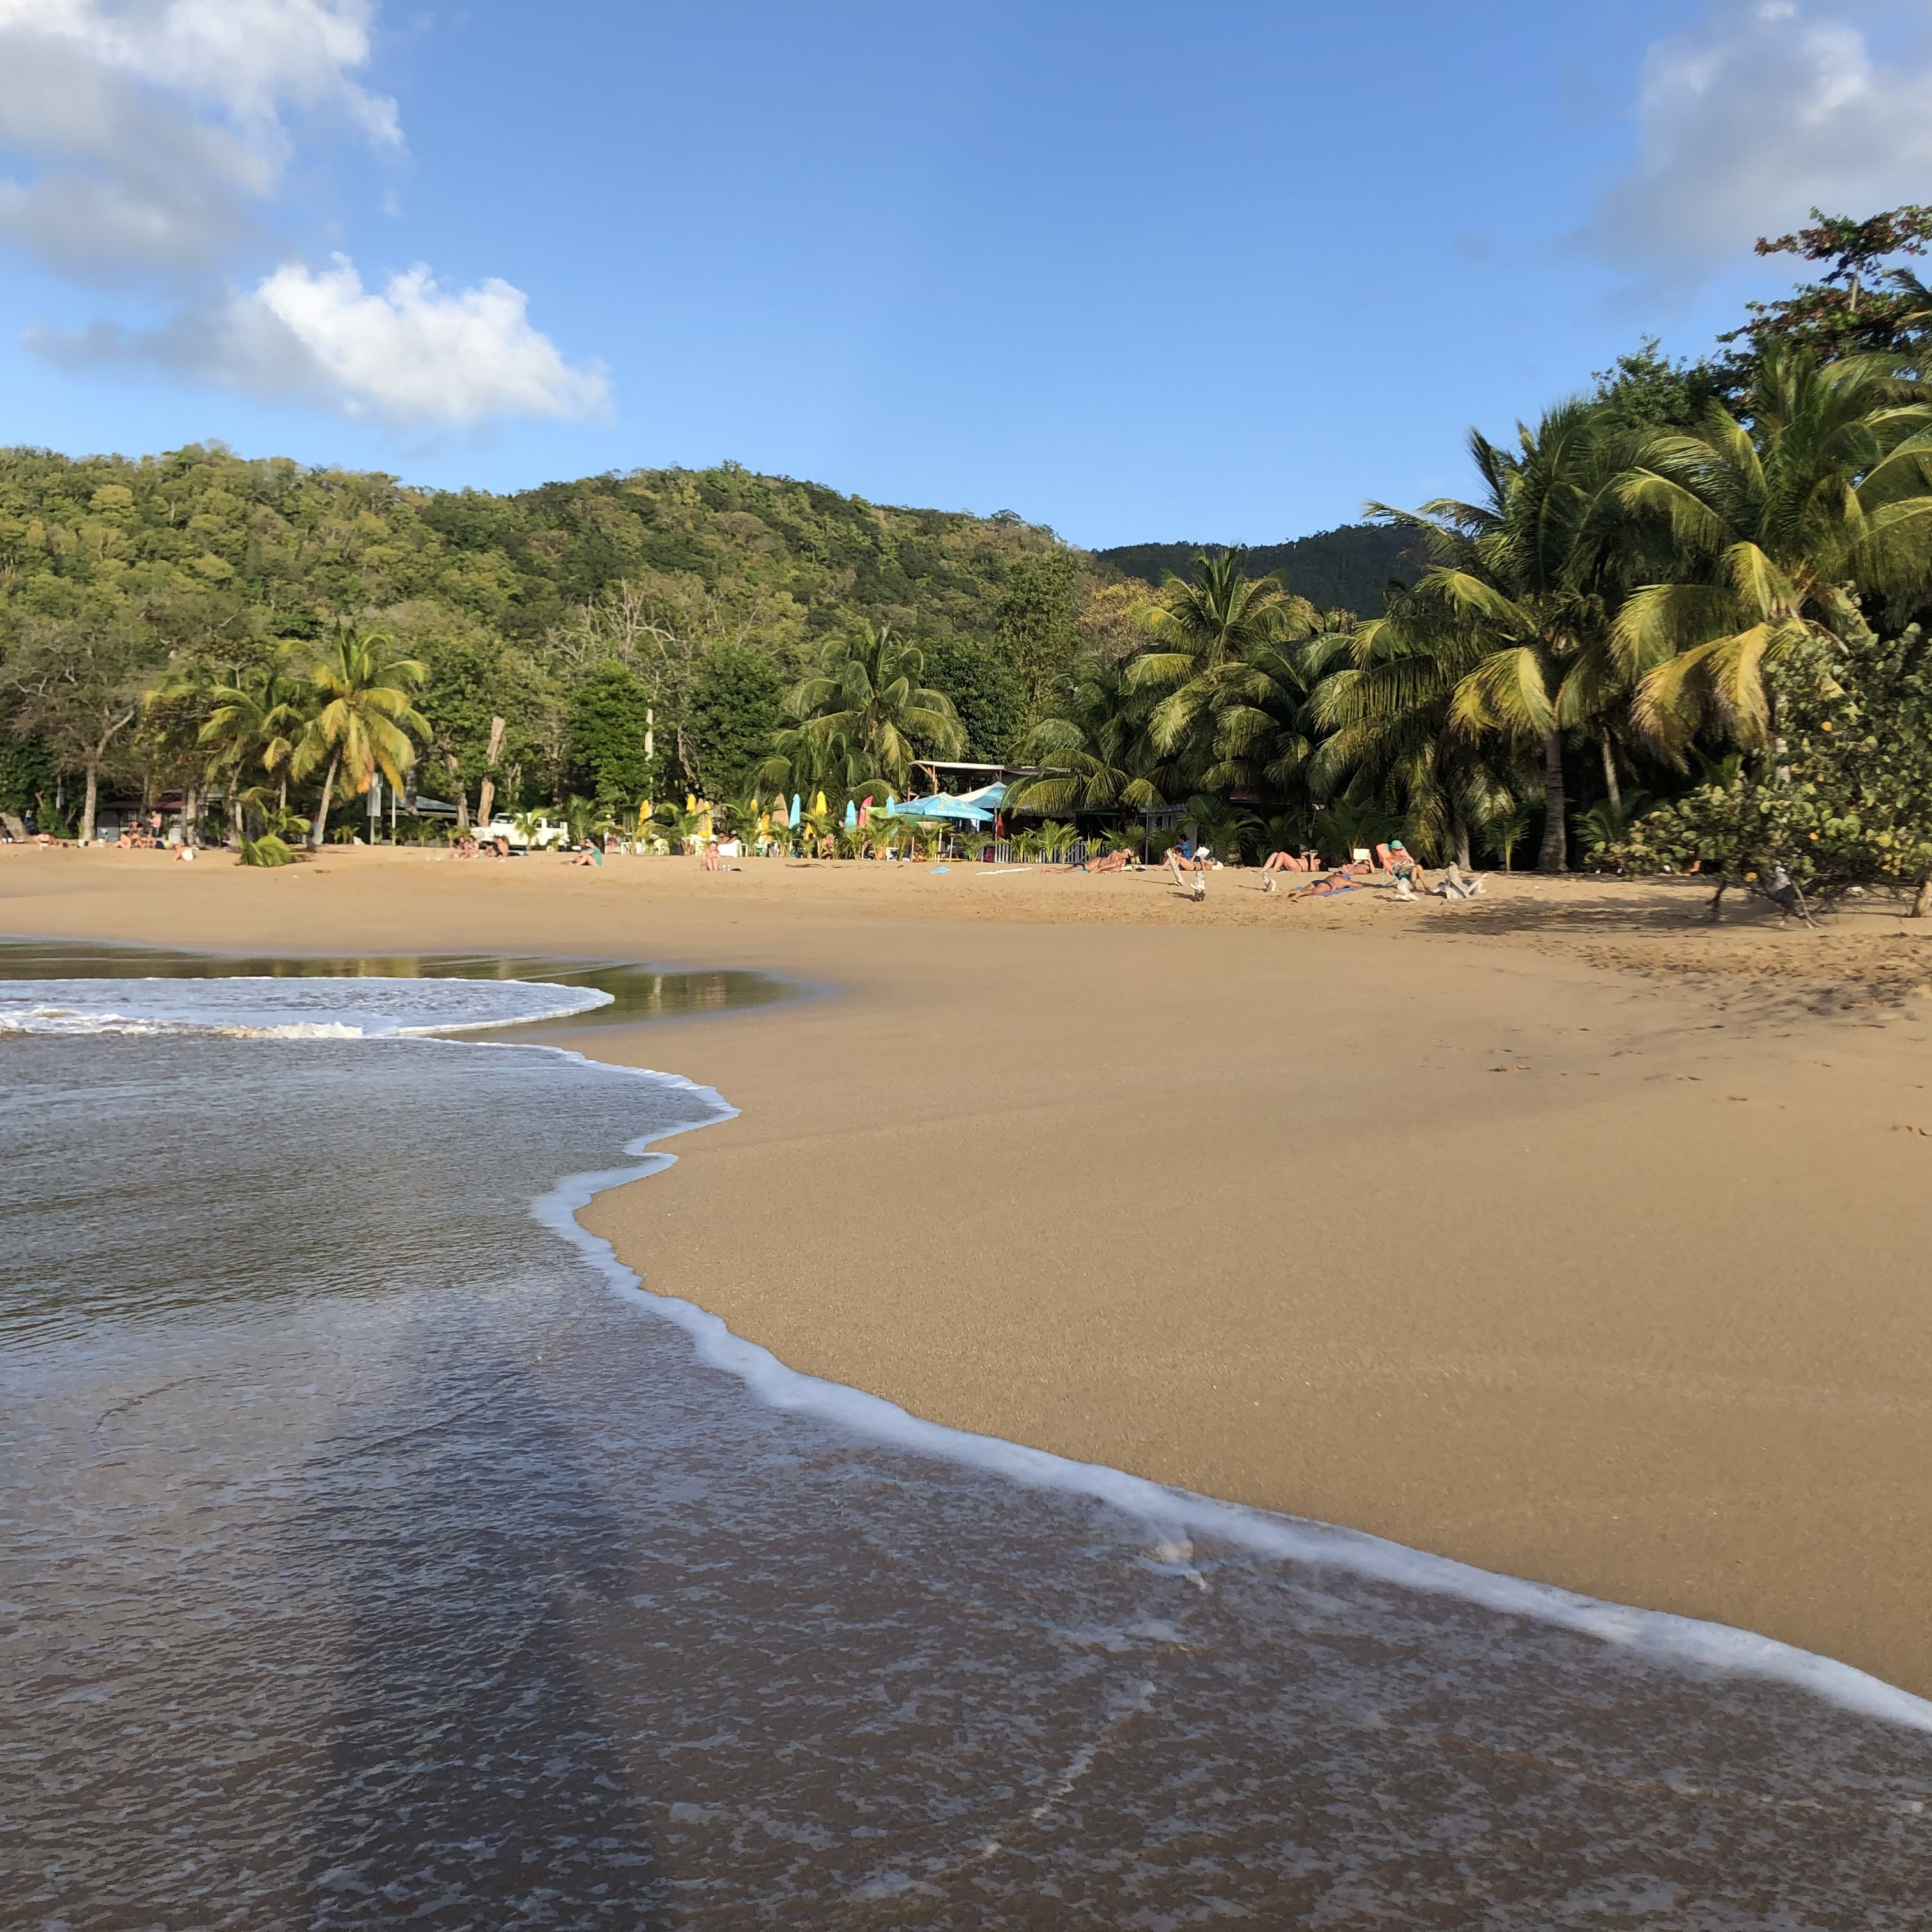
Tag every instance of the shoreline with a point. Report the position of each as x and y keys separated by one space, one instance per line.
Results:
x=1253 y=1206
x=1166 y=1512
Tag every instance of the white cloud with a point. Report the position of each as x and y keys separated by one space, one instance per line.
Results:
x=149 y=138
x=417 y=354
x=152 y=129
x=248 y=58
x=1744 y=125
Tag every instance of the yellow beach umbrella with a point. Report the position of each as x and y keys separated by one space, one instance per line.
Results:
x=818 y=805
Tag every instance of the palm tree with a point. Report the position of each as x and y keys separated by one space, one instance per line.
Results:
x=1347 y=827
x=1388 y=731
x=1218 y=667
x=1099 y=756
x=862 y=717
x=1514 y=600
x=365 y=722
x=253 y=723
x=1505 y=830
x=1771 y=526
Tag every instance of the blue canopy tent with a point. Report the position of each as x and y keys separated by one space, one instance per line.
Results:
x=972 y=808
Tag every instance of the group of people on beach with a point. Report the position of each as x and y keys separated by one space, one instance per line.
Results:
x=1398 y=867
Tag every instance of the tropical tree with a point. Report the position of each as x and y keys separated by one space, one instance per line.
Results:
x=862 y=717
x=252 y=726
x=1348 y=826
x=1221 y=671
x=1099 y=755
x=77 y=684
x=363 y=722
x=1502 y=638
x=1841 y=798
x=1505 y=829
x=1774 y=528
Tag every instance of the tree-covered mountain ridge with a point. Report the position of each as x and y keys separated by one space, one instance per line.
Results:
x=787 y=559
x=701 y=594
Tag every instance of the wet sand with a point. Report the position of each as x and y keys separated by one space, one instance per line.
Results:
x=1555 y=1233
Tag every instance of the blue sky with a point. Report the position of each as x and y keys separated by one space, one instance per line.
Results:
x=1138 y=271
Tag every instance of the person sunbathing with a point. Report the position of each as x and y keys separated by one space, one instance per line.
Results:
x=1286 y=861
x=1108 y=862
x=1326 y=887
x=1401 y=866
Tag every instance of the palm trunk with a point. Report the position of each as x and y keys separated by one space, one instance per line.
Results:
x=1555 y=856
x=462 y=792
x=1460 y=829
x=321 y=824
x=1922 y=904
x=1610 y=772
x=93 y=796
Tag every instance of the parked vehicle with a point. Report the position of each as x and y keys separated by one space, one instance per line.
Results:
x=521 y=834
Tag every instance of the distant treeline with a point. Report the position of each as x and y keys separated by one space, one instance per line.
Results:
x=1347 y=569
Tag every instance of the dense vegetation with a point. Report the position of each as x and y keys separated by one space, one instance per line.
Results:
x=1350 y=569
x=1679 y=623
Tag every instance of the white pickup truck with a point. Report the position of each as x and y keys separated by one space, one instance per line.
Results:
x=543 y=835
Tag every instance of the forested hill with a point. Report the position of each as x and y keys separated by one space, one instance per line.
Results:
x=1342 y=569
x=709 y=589
x=785 y=559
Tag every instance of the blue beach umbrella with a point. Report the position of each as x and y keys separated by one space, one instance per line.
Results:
x=851 y=816
x=792 y=822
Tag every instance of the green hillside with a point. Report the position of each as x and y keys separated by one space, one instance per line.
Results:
x=1341 y=569
x=712 y=588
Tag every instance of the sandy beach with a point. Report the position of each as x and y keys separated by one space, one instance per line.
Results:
x=1557 y=1232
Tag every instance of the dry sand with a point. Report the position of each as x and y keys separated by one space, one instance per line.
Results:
x=1554 y=1232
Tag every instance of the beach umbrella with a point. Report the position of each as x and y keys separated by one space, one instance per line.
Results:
x=792 y=822
x=866 y=809
x=818 y=805
x=851 y=816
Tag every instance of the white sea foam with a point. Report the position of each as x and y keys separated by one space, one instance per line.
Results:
x=280 y=1008
x=1174 y=1518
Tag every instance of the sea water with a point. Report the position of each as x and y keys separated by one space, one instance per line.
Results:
x=377 y=1552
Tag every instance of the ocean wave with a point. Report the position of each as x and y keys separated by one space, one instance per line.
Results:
x=275 y=1008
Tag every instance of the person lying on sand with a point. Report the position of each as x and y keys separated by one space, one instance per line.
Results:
x=1286 y=861
x=1327 y=888
x=1108 y=862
